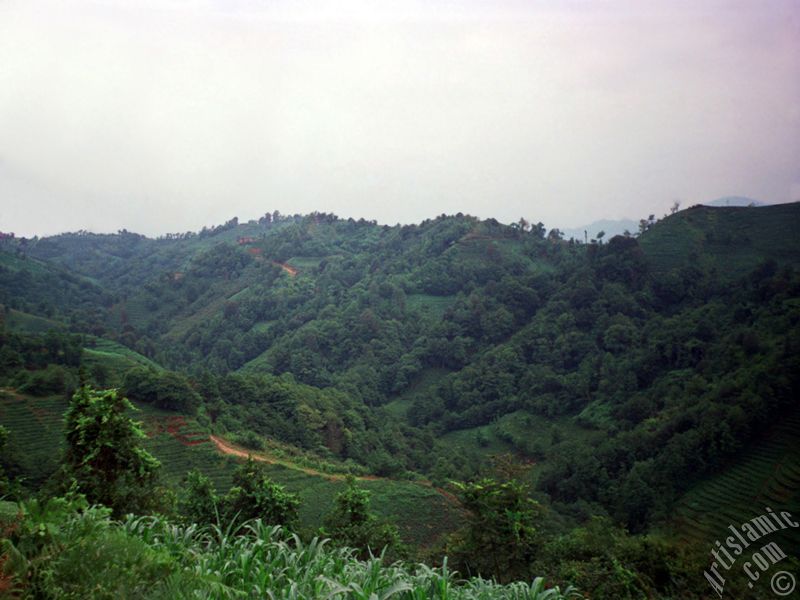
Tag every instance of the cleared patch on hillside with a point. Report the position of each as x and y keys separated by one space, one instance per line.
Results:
x=263 y=326
x=257 y=364
x=531 y=437
x=305 y=263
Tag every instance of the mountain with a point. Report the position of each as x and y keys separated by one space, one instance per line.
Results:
x=622 y=377
x=611 y=227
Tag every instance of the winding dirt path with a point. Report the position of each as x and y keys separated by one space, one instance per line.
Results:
x=226 y=447
x=288 y=268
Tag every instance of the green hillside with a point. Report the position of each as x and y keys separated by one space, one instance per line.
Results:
x=730 y=240
x=638 y=381
x=36 y=429
x=422 y=513
x=767 y=474
x=46 y=290
x=22 y=322
x=112 y=359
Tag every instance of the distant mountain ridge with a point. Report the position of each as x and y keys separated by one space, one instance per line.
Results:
x=610 y=227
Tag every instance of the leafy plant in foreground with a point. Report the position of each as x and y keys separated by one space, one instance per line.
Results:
x=104 y=455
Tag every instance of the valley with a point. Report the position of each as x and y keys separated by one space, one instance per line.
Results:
x=650 y=382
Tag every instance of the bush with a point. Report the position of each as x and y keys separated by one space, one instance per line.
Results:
x=62 y=548
x=255 y=496
x=351 y=524
x=54 y=379
x=605 y=559
x=500 y=539
x=249 y=440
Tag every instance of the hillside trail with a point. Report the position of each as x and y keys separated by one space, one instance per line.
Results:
x=11 y=392
x=229 y=449
x=288 y=268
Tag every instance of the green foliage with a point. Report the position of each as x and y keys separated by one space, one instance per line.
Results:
x=500 y=538
x=65 y=549
x=197 y=499
x=351 y=524
x=612 y=564
x=255 y=496
x=730 y=240
x=35 y=435
x=108 y=361
x=766 y=475
x=41 y=292
x=164 y=389
x=662 y=359
x=53 y=379
x=249 y=440
x=104 y=455
x=4 y=483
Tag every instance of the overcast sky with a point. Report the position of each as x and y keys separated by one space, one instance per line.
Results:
x=167 y=115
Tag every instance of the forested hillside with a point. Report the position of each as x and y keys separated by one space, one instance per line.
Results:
x=613 y=377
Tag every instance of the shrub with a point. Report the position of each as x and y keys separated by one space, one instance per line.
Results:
x=351 y=524
x=255 y=496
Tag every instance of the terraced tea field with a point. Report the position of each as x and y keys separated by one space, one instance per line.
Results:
x=730 y=240
x=182 y=445
x=35 y=432
x=768 y=475
x=115 y=359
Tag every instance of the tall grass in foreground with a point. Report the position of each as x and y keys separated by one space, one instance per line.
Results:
x=55 y=553
x=262 y=561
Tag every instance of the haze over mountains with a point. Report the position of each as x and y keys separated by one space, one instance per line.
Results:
x=612 y=227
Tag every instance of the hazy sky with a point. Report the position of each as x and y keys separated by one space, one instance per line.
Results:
x=166 y=115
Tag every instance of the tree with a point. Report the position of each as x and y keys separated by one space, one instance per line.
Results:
x=197 y=500
x=167 y=389
x=255 y=496
x=500 y=539
x=104 y=456
x=351 y=524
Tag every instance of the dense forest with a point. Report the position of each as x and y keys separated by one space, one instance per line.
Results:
x=567 y=398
